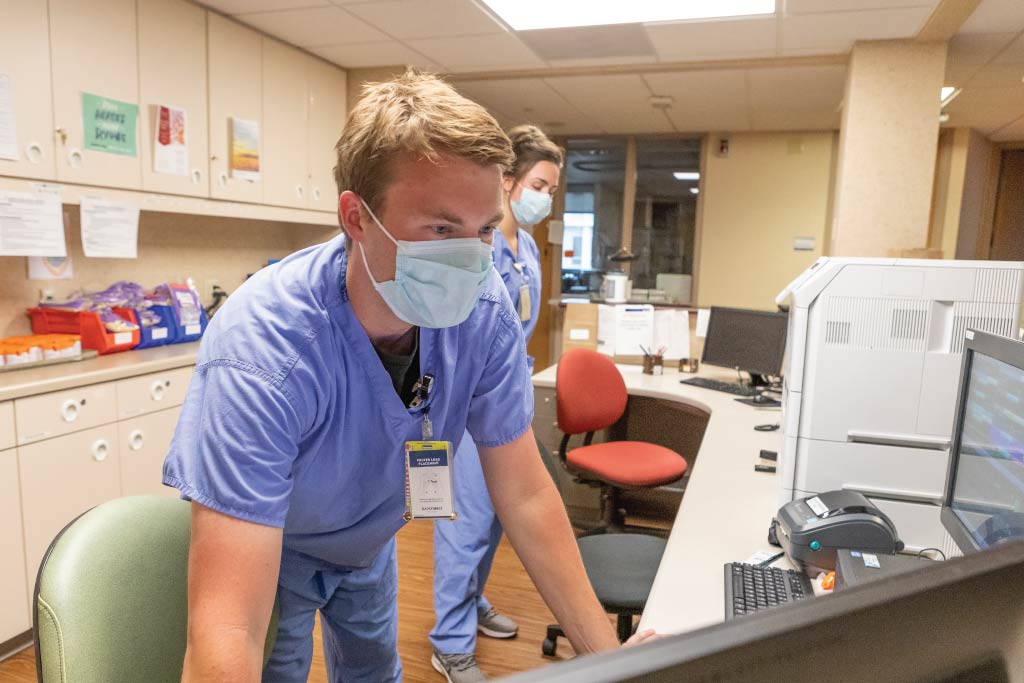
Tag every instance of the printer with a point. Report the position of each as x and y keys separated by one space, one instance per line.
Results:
x=812 y=529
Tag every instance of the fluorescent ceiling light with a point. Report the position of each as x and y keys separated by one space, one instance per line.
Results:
x=947 y=94
x=686 y=175
x=523 y=15
x=694 y=190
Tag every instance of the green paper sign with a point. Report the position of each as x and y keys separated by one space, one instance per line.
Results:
x=109 y=125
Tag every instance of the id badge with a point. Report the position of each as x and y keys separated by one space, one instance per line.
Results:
x=524 y=303
x=428 y=480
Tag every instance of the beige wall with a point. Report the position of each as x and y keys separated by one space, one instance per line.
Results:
x=358 y=77
x=961 y=206
x=977 y=205
x=772 y=188
x=171 y=248
x=887 y=147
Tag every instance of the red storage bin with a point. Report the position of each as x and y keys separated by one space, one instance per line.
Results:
x=85 y=323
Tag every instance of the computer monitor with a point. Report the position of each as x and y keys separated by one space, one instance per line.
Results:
x=751 y=341
x=984 y=497
x=948 y=622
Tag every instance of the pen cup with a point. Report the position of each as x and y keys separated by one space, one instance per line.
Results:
x=648 y=365
x=689 y=365
x=658 y=366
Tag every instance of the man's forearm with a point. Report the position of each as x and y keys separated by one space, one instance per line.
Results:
x=225 y=656
x=542 y=536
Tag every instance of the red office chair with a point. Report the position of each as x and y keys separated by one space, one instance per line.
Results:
x=592 y=396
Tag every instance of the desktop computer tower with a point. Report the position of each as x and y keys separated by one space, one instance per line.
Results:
x=870 y=379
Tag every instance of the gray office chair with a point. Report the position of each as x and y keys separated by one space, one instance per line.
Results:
x=111 y=601
x=621 y=569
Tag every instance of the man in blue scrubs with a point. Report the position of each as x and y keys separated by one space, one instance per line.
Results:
x=291 y=441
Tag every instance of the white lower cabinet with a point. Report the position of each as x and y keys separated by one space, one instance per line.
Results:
x=62 y=478
x=143 y=443
x=14 y=614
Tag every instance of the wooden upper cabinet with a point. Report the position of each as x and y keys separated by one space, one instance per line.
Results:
x=172 y=74
x=327 y=113
x=94 y=50
x=285 y=118
x=235 y=87
x=25 y=62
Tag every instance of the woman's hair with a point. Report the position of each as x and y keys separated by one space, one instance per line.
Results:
x=530 y=145
x=413 y=114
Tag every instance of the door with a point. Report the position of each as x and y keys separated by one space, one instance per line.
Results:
x=62 y=478
x=172 y=74
x=25 y=65
x=327 y=113
x=1008 y=228
x=143 y=443
x=94 y=51
x=285 y=119
x=14 y=609
x=235 y=87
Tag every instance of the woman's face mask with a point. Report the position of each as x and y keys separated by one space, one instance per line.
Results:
x=437 y=282
x=532 y=206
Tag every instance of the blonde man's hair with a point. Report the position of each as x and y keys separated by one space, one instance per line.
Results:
x=414 y=114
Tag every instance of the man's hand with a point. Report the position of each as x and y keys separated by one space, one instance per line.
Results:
x=232 y=579
x=534 y=518
x=641 y=637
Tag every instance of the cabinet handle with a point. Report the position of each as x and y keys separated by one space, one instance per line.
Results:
x=135 y=440
x=62 y=133
x=197 y=176
x=222 y=179
x=75 y=158
x=316 y=193
x=299 y=191
x=34 y=152
x=100 y=450
x=69 y=411
x=156 y=391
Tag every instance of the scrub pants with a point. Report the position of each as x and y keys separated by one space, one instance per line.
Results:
x=358 y=617
x=463 y=554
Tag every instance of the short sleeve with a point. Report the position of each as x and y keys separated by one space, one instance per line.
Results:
x=235 y=444
x=501 y=409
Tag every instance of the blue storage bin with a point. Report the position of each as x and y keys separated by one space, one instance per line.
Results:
x=158 y=335
x=189 y=333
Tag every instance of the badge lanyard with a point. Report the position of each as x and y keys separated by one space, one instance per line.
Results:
x=428 y=466
x=524 y=293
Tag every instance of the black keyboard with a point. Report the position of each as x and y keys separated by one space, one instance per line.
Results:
x=717 y=385
x=749 y=588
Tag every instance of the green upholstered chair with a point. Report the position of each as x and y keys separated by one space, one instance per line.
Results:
x=111 y=601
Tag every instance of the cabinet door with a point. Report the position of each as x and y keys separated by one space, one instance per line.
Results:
x=285 y=122
x=62 y=478
x=94 y=50
x=14 y=608
x=327 y=115
x=172 y=73
x=235 y=87
x=25 y=61
x=143 y=444
x=7 y=439
x=62 y=412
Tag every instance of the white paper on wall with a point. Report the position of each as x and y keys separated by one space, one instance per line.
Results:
x=8 y=131
x=31 y=224
x=109 y=229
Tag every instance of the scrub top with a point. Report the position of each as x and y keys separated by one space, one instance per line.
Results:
x=292 y=421
x=516 y=272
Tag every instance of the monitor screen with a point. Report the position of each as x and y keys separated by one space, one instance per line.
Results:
x=753 y=341
x=986 y=491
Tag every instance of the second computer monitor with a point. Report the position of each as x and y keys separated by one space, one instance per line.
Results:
x=748 y=340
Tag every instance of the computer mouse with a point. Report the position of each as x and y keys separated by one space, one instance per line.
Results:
x=761 y=398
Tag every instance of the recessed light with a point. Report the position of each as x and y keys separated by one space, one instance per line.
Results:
x=523 y=15
x=686 y=175
x=947 y=94
x=694 y=190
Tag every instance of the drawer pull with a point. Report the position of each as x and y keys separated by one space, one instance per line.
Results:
x=156 y=391
x=69 y=411
x=135 y=440
x=100 y=450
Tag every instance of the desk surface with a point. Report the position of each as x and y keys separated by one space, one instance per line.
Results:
x=727 y=506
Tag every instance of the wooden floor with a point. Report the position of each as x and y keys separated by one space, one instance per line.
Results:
x=509 y=589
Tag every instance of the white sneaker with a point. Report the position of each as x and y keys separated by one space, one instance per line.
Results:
x=495 y=625
x=459 y=668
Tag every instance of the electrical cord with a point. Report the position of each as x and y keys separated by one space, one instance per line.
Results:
x=922 y=551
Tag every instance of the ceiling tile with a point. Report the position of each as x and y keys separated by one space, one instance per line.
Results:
x=426 y=18
x=717 y=90
x=239 y=6
x=590 y=42
x=386 y=53
x=986 y=108
x=998 y=76
x=995 y=16
x=797 y=87
x=817 y=6
x=314 y=27
x=959 y=75
x=618 y=103
x=529 y=100
x=1014 y=53
x=795 y=119
x=977 y=48
x=478 y=53
x=737 y=38
x=601 y=61
x=698 y=119
x=1014 y=132
x=836 y=32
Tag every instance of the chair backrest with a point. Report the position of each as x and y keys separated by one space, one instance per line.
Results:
x=590 y=391
x=111 y=598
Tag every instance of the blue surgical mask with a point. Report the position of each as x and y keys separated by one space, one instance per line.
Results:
x=437 y=282
x=532 y=206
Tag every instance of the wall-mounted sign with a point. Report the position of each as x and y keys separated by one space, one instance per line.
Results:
x=109 y=125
